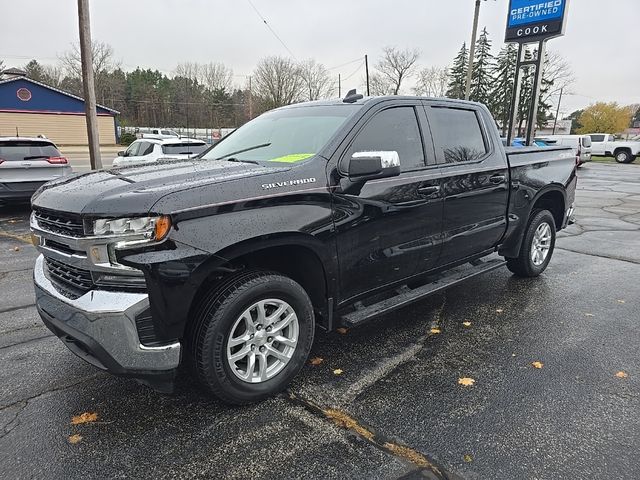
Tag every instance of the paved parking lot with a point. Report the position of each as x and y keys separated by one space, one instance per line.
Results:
x=397 y=410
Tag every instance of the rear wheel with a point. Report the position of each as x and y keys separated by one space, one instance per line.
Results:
x=623 y=156
x=537 y=246
x=251 y=336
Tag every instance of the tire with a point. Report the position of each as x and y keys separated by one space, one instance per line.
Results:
x=231 y=312
x=623 y=156
x=524 y=264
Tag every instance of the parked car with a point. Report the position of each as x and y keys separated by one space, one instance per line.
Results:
x=26 y=164
x=605 y=144
x=150 y=150
x=581 y=145
x=158 y=133
x=319 y=214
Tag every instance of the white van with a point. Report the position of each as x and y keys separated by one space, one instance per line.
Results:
x=581 y=145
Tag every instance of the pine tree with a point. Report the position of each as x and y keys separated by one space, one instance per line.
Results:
x=458 y=74
x=482 y=78
x=504 y=73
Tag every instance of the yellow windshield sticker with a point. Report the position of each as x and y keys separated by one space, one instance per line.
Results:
x=293 y=158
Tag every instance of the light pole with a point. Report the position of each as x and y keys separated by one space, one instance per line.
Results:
x=472 y=50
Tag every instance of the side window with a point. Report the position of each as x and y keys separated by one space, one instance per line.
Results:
x=597 y=138
x=392 y=129
x=133 y=149
x=146 y=148
x=457 y=134
x=612 y=138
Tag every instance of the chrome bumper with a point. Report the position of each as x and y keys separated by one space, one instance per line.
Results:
x=100 y=327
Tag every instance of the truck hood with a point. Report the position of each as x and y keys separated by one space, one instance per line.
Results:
x=134 y=190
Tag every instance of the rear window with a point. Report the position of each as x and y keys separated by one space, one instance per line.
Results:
x=184 y=148
x=586 y=141
x=18 y=151
x=457 y=134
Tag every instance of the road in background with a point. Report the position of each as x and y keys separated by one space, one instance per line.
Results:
x=79 y=156
x=384 y=401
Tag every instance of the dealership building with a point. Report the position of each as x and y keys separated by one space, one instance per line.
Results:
x=29 y=108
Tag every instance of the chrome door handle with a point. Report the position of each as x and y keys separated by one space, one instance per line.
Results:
x=497 y=179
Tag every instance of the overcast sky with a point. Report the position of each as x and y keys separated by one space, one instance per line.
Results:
x=601 y=41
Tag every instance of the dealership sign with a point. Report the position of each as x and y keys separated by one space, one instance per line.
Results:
x=535 y=20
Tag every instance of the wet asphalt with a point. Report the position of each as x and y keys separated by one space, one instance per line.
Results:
x=397 y=409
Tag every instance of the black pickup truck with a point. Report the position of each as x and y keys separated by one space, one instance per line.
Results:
x=308 y=217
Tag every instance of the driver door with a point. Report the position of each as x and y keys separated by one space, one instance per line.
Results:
x=388 y=229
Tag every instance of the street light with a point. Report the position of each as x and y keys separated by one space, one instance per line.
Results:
x=472 y=50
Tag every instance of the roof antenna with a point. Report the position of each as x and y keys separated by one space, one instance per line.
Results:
x=352 y=96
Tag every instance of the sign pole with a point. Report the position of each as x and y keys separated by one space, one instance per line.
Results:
x=515 y=96
x=535 y=92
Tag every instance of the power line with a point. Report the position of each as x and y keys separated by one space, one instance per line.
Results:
x=355 y=71
x=346 y=63
x=271 y=29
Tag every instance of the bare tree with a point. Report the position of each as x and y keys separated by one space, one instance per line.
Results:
x=215 y=76
x=396 y=65
x=379 y=85
x=103 y=60
x=432 y=82
x=317 y=82
x=277 y=82
x=190 y=70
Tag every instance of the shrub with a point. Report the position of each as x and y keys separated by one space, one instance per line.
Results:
x=127 y=138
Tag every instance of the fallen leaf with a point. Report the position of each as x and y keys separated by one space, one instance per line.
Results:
x=466 y=324
x=337 y=371
x=499 y=310
x=342 y=330
x=75 y=438
x=466 y=381
x=435 y=330
x=622 y=374
x=316 y=361
x=620 y=300
x=16 y=249
x=468 y=458
x=589 y=315
x=86 y=417
x=537 y=364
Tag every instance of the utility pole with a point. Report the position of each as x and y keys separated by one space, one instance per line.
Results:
x=250 y=100
x=555 y=121
x=339 y=87
x=472 y=50
x=88 y=84
x=366 y=67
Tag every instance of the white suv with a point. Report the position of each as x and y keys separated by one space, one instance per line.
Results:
x=150 y=150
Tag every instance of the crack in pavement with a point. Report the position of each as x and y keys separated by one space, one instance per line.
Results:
x=51 y=390
x=609 y=257
x=19 y=307
x=427 y=466
x=8 y=428
x=36 y=339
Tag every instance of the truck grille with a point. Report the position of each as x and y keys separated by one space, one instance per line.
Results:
x=77 y=278
x=68 y=224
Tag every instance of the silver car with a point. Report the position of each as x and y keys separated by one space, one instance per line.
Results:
x=26 y=164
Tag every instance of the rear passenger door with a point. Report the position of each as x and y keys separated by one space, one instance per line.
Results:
x=387 y=229
x=475 y=180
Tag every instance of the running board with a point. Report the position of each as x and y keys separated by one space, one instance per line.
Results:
x=407 y=295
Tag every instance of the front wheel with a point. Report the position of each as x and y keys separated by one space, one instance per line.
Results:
x=537 y=246
x=251 y=336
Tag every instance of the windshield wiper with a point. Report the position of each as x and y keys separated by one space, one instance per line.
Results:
x=234 y=159
x=255 y=147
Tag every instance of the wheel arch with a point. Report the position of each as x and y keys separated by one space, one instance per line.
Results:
x=299 y=256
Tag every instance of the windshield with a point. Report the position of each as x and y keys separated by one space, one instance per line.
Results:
x=18 y=150
x=289 y=135
x=184 y=148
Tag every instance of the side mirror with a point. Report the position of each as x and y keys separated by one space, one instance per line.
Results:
x=370 y=165
x=121 y=153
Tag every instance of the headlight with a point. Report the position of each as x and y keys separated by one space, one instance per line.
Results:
x=150 y=227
